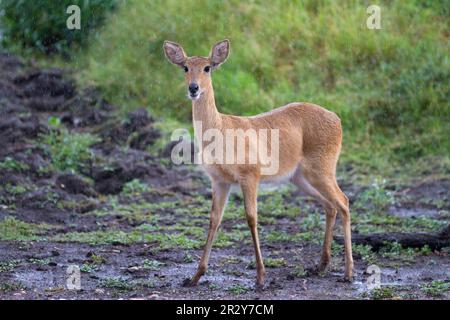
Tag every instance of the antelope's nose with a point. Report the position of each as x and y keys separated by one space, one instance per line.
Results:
x=193 y=88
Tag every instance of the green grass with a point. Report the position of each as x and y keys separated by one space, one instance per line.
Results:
x=6 y=266
x=389 y=88
x=11 y=164
x=383 y=293
x=69 y=151
x=134 y=187
x=17 y=230
x=436 y=288
x=152 y=264
x=6 y=287
x=238 y=289
x=116 y=283
x=163 y=241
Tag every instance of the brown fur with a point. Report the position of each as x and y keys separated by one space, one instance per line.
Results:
x=310 y=143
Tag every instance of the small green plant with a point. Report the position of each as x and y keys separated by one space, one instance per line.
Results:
x=117 y=283
x=395 y=251
x=134 y=187
x=383 y=293
x=13 y=229
x=69 y=151
x=275 y=262
x=15 y=190
x=366 y=253
x=152 y=264
x=188 y=258
x=97 y=259
x=376 y=198
x=11 y=287
x=41 y=262
x=88 y=267
x=238 y=289
x=11 y=164
x=269 y=263
x=6 y=266
x=436 y=288
x=299 y=272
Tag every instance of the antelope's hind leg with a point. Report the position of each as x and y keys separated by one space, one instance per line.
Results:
x=300 y=181
x=322 y=179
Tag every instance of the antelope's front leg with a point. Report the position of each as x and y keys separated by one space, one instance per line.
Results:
x=250 y=192
x=220 y=193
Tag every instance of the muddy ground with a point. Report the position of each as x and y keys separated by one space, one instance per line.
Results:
x=134 y=224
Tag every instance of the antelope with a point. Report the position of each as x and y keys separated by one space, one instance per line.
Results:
x=310 y=139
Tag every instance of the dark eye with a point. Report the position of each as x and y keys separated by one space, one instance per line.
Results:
x=207 y=69
x=186 y=69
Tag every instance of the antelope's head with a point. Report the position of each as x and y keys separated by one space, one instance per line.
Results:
x=197 y=70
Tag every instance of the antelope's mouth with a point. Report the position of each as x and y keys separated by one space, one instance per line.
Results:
x=194 y=96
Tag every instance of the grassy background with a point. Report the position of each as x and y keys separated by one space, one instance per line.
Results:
x=390 y=86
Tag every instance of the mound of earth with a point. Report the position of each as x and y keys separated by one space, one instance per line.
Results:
x=29 y=97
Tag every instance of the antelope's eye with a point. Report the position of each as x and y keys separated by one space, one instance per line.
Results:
x=186 y=69
x=207 y=69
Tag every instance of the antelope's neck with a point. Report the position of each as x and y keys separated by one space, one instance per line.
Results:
x=204 y=113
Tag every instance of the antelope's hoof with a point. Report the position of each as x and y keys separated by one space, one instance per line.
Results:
x=348 y=277
x=322 y=267
x=188 y=282
x=259 y=287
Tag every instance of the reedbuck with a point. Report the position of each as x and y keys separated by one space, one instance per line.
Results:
x=309 y=145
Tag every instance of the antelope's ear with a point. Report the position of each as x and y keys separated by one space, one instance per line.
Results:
x=174 y=53
x=219 y=53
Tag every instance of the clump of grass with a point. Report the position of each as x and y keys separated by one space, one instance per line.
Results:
x=395 y=251
x=117 y=283
x=6 y=266
x=238 y=289
x=69 y=151
x=7 y=287
x=275 y=262
x=269 y=263
x=134 y=187
x=17 y=230
x=88 y=267
x=152 y=264
x=299 y=272
x=383 y=293
x=375 y=199
x=11 y=164
x=366 y=253
x=436 y=288
x=188 y=258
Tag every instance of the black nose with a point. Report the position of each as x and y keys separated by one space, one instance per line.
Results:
x=193 y=88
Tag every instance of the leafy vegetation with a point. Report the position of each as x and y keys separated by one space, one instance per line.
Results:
x=117 y=283
x=436 y=288
x=383 y=293
x=9 y=163
x=41 y=25
x=238 y=289
x=13 y=229
x=69 y=150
